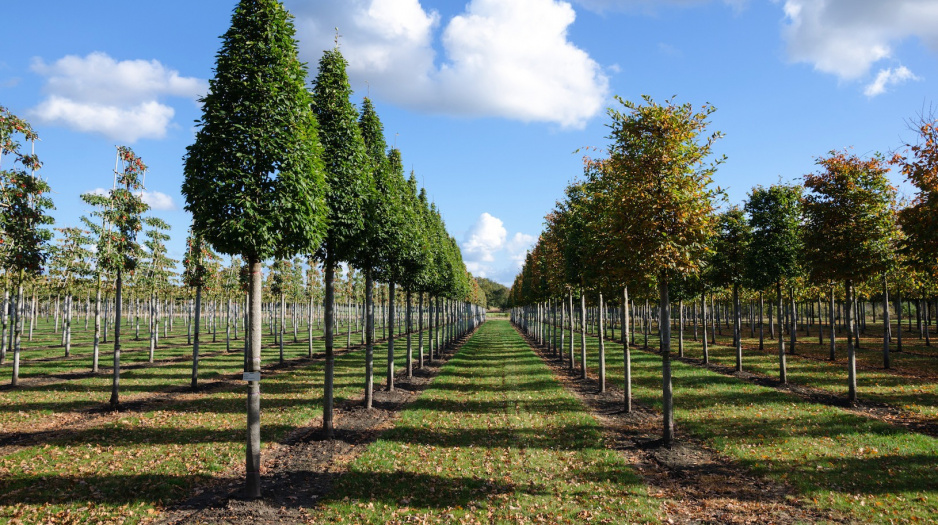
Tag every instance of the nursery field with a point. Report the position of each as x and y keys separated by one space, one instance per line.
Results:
x=499 y=431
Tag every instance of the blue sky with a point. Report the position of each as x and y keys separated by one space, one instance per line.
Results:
x=487 y=99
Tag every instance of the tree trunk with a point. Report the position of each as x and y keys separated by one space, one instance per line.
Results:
x=885 y=323
x=195 y=343
x=572 y=317
x=602 y=348
x=329 y=314
x=252 y=482
x=391 y=307
x=97 y=327
x=369 y=339
x=782 y=365
x=833 y=342
x=582 y=335
x=116 y=376
x=703 y=325
x=667 y=392
x=17 y=330
x=409 y=328
x=626 y=350
x=737 y=328
x=851 y=352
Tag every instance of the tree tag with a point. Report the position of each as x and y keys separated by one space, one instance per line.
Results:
x=252 y=376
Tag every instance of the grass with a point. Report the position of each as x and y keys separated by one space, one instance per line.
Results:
x=126 y=467
x=495 y=439
x=864 y=469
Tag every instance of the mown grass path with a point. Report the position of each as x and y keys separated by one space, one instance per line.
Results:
x=495 y=439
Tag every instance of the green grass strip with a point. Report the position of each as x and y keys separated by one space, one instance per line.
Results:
x=494 y=439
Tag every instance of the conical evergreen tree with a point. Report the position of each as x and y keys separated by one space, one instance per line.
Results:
x=349 y=184
x=253 y=178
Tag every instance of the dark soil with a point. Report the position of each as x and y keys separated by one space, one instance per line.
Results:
x=697 y=484
x=298 y=471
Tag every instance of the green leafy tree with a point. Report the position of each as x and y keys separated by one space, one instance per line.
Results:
x=728 y=264
x=253 y=177
x=24 y=199
x=776 y=250
x=117 y=249
x=349 y=188
x=849 y=230
x=196 y=274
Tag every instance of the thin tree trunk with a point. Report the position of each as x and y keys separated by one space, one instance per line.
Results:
x=116 y=376
x=369 y=339
x=851 y=352
x=626 y=350
x=329 y=314
x=195 y=343
x=667 y=391
x=782 y=365
x=391 y=307
x=602 y=348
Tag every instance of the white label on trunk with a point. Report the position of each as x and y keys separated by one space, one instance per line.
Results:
x=252 y=376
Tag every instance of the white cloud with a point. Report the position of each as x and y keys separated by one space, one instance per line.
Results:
x=155 y=199
x=846 y=37
x=501 y=59
x=158 y=200
x=489 y=252
x=601 y=6
x=888 y=77
x=519 y=246
x=118 y=99
x=485 y=237
x=127 y=124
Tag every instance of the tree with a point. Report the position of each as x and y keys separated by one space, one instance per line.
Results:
x=196 y=275
x=70 y=264
x=658 y=171
x=728 y=264
x=349 y=186
x=849 y=229
x=253 y=177
x=24 y=199
x=775 y=253
x=117 y=249
x=496 y=294
x=157 y=270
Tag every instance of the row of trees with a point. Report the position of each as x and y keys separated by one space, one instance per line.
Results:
x=645 y=218
x=278 y=171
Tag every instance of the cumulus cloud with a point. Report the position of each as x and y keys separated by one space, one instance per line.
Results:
x=601 y=6
x=489 y=252
x=847 y=37
x=121 y=100
x=485 y=237
x=157 y=200
x=499 y=59
x=888 y=77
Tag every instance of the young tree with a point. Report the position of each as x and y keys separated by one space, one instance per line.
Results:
x=849 y=229
x=253 y=177
x=728 y=264
x=349 y=187
x=24 y=199
x=775 y=253
x=195 y=275
x=117 y=249
x=659 y=172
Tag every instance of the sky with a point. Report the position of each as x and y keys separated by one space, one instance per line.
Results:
x=492 y=102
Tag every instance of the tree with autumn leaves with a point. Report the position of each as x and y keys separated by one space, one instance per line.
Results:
x=850 y=230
